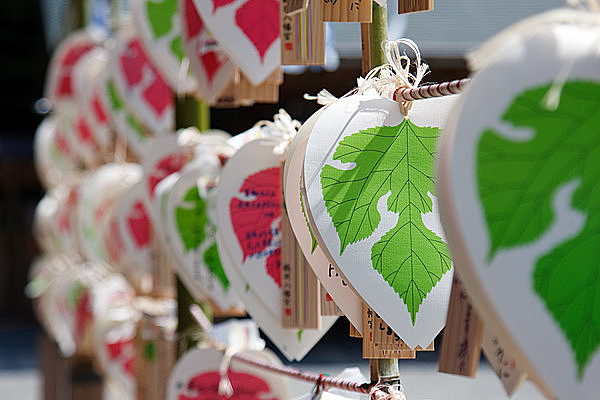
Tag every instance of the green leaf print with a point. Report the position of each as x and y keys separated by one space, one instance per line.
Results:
x=191 y=220
x=517 y=181
x=395 y=160
x=213 y=262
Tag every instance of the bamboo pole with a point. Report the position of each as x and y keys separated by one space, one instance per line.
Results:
x=384 y=369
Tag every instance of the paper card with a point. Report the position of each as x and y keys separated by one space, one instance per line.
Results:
x=346 y=10
x=516 y=181
x=82 y=140
x=293 y=343
x=367 y=192
x=160 y=27
x=249 y=217
x=55 y=220
x=191 y=229
x=161 y=157
x=196 y=375
x=248 y=30
x=302 y=35
x=128 y=238
x=140 y=84
x=114 y=333
x=338 y=289
x=211 y=66
x=54 y=160
x=59 y=87
x=88 y=78
x=99 y=192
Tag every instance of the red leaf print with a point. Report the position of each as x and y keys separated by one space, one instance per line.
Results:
x=84 y=131
x=159 y=95
x=253 y=217
x=165 y=167
x=83 y=314
x=274 y=266
x=259 y=20
x=133 y=60
x=212 y=63
x=194 y=24
x=113 y=241
x=62 y=144
x=245 y=387
x=220 y=3
x=99 y=109
x=65 y=85
x=139 y=224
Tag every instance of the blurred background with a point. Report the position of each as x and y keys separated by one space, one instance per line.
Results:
x=30 y=30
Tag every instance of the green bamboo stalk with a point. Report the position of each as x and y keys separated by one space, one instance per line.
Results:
x=384 y=369
x=378 y=34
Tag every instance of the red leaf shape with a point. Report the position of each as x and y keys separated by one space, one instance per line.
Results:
x=113 y=241
x=84 y=131
x=158 y=95
x=99 y=109
x=259 y=20
x=211 y=63
x=62 y=144
x=65 y=85
x=165 y=167
x=83 y=314
x=115 y=349
x=194 y=24
x=245 y=387
x=220 y=3
x=133 y=60
x=274 y=265
x=252 y=219
x=139 y=224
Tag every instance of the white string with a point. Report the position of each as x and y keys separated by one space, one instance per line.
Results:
x=283 y=127
x=384 y=391
x=324 y=97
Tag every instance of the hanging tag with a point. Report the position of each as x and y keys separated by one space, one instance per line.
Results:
x=365 y=42
x=291 y=7
x=328 y=306
x=302 y=36
x=300 y=288
x=463 y=334
x=411 y=6
x=503 y=363
x=227 y=98
x=347 y=10
x=266 y=92
x=354 y=332
x=371 y=349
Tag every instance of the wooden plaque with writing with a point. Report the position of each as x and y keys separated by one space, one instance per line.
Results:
x=463 y=334
x=373 y=327
x=266 y=92
x=347 y=10
x=503 y=363
x=303 y=36
x=328 y=306
x=291 y=7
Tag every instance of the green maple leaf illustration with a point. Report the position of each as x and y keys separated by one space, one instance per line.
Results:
x=160 y=15
x=213 y=262
x=517 y=181
x=192 y=220
x=398 y=160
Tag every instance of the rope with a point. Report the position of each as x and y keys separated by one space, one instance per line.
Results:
x=376 y=390
x=429 y=91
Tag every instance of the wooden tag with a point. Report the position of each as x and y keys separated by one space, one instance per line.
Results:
x=291 y=7
x=354 y=332
x=410 y=6
x=347 y=10
x=266 y=92
x=503 y=363
x=300 y=287
x=302 y=36
x=463 y=334
x=371 y=329
x=365 y=42
x=328 y=306
x=227 y=99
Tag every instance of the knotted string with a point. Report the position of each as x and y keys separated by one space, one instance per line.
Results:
x=385 y=391
x=282 y=127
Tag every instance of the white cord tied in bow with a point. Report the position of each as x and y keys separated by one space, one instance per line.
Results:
x=283 y=127
x=324 y=97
